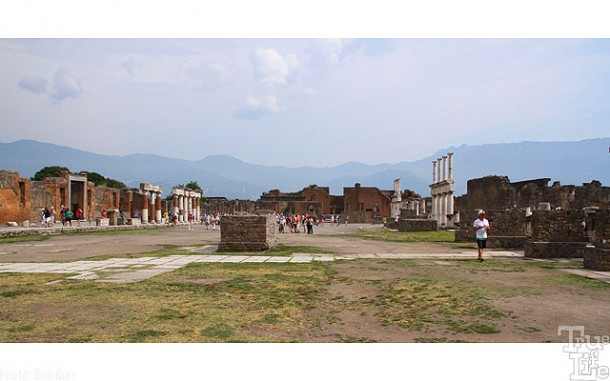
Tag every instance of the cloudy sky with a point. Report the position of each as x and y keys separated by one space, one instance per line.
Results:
x=293 y=102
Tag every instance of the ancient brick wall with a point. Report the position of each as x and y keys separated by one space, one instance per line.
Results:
x=105 y=198
x=360 y=200
x=45 y=195
x=248 y=233
x=558 y=226
x=15 y=195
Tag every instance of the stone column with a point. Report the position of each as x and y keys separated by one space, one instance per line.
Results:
x=197 y=208
x=153 y=204
x=444 y=168
x=434 y=172
x=181 y=205
x=450 y=156
x=144 y=214
x=438 y=173
x=444 y=208
x=176 y=203
x=422 y=206
x=158 y=216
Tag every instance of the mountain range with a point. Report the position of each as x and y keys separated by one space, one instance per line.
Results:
x=574 y=162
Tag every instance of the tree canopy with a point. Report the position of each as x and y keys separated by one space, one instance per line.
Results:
x=94 y=177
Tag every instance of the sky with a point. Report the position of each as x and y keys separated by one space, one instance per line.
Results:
x=301 y=101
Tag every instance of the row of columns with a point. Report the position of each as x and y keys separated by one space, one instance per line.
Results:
x=186 y=202
x=442 y=189
x=151 y=203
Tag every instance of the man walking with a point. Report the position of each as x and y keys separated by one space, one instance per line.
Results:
x=481 y=226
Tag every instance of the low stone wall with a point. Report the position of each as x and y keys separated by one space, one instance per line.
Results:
x=248 y=233
x=417 y=225
x=596 y=259
x=554 y=249
x=58 y=229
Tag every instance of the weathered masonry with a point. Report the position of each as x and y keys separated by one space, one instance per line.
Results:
x=547 y=221
x=248 y=233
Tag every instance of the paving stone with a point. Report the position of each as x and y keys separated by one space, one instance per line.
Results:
x=212 y=258
x=301 y=259
x=278 y=259
x=324 y=259
x=234 y=258
x=256 y=259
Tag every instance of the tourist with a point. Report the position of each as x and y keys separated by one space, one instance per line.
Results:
x=207 y=219
x=190 y=220
x=481 y=226
x=44 y=217
x=78 y=215
x=309 y=225
x=62 y=215
x=69 y=216
x=52 y=216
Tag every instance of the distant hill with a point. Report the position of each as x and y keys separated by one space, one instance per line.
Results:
x=223 y=175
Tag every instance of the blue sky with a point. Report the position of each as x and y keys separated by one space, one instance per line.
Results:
x=301 y=101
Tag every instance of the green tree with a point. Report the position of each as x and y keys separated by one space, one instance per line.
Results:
x=112 y=183
x=52 y=171
x=95 y=178
x=194 y=186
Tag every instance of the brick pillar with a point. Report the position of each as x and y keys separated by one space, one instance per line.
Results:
x=181 y=205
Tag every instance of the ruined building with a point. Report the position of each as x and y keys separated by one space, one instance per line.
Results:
x=545 y=220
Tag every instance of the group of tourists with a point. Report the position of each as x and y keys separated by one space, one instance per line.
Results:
x=296 y=222
x=47 y=216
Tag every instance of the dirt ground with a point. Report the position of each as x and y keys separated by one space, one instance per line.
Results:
x=381 y=300
x=75 y=247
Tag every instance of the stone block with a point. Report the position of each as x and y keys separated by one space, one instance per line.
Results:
x=417 y=225
x=248 y=233
x=554 y=249
x=596 y=259
x=102 y=222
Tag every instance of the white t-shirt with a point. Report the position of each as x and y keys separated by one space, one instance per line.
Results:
x=481 y=233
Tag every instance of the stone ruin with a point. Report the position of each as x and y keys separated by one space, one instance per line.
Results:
x=557 y=221
x=248 y=232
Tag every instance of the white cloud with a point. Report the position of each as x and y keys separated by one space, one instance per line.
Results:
x=255 y=108
x=332 y=48
x=34 y=84
x=271 y=67
x=65 y=85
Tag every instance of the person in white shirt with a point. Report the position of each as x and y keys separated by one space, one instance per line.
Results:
x=481 y=226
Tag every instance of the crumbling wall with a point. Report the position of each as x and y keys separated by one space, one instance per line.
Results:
x=557 y=234
x=248 y=233
x=105 y=198
x=15 y=203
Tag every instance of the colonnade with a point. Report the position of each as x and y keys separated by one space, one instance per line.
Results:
x=186 y=202
x=151 y=203
x=442 y=189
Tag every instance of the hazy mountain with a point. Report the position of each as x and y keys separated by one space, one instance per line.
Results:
x=223 y=175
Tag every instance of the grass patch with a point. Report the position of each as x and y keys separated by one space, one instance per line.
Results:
x=25 y=238
x=144 y=335
x=396 y=236
x=422 y=302
x=566 y=279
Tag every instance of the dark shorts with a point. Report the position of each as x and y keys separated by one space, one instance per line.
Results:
x=481 y=243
